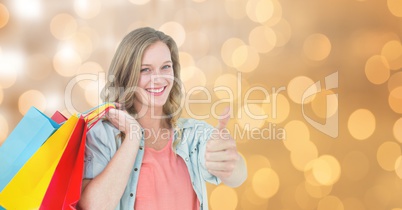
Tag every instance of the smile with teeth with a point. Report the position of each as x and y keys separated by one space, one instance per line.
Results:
x=155 y=90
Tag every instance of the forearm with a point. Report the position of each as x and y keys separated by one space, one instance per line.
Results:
x=106 y=189
x=238 y=176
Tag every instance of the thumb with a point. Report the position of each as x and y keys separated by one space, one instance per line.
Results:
x=224 y=119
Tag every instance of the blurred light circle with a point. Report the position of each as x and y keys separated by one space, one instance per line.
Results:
x=87 y=9
x=139 y=2
x=197 y=43
x=323 y=107
x=351 y=203
x=262 y=38
x=223 y=197
x=392 y=51
x=92 y=94
x=249 y=118
x=303 y=198
x=397 y=130
x=31 y=98
x=260 y=11
x=197 y=79
x=228 y=47
x=4 y=15
x=212 y=67
x=317 y=47
x=40 y=66
x=186 y=60
x=361 y=124
x=82 y=44
x=190 y=18
x=4 y=129
x=387 y=154
x=317 y=191
x=250 y=200
x=276 y=15
x=283 y=32
x=395 y=100
x=255 y=163
x=377 y=69
x=355 y=165
x=175 y=30
x=296 y=88
x=91 y=34
x=66 y=62
x=245 y=59
x=330 y=203
x=27 y=9
x=226 y=86
x=395 y=7
x=11 y=63
x=297 y=134
x=377 y=196
x=265 y=182
x=235 y=8
x=395 y=81
x=1 y=95
x=277 y=108
x=301 y=156
x=398 y=167
x=239 y=56
x=326 y=170
x=63 y=26
x=89 y=68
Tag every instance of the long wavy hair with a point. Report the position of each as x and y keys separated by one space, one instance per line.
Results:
x=124 y=73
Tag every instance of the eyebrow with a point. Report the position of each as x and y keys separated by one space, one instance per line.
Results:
x=151 y=65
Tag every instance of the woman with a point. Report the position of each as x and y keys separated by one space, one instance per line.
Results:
x=144 y=156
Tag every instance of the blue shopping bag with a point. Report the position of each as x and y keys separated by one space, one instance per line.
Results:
x=26 y=138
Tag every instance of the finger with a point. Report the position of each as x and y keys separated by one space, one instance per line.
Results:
x=226 y=155
x=220 y=145
x=118 y=105
x=221 y=174
x=220 y=166
x=224 y=119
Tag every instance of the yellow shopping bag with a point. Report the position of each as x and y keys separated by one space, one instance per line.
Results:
x=28 y=187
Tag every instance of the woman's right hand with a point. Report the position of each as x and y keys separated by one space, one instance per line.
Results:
x=124 y=122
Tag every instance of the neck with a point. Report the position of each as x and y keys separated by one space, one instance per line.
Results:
x=152 y=118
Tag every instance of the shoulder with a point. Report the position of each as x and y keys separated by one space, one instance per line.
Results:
x=103 y=131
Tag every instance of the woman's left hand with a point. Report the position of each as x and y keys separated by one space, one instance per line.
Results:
x=221 y=156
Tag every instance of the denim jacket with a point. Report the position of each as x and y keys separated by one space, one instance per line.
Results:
x=103 y=142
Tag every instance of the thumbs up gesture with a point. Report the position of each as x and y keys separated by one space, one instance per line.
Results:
x=221 y=156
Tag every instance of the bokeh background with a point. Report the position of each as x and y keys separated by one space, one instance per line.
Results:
x=240 y=44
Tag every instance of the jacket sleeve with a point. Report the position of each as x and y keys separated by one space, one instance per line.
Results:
x=101 y=145
x=203 y=132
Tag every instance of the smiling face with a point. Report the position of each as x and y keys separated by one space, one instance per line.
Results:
x=156 y=77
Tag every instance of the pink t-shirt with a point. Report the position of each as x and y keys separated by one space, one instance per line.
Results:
x=164 y=182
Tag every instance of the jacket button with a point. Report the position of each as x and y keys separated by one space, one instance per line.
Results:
x=141 y=147
x=131 y=194
x=135 y=169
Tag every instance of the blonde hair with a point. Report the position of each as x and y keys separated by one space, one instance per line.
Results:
x=124 y=73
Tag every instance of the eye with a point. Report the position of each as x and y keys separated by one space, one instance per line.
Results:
x=145 y=70
x=166 y=67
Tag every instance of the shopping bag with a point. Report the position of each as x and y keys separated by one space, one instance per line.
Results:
x=58 y=117
x=64 y=190
x=26 y=138
x=67 y=177
x=27 y=188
